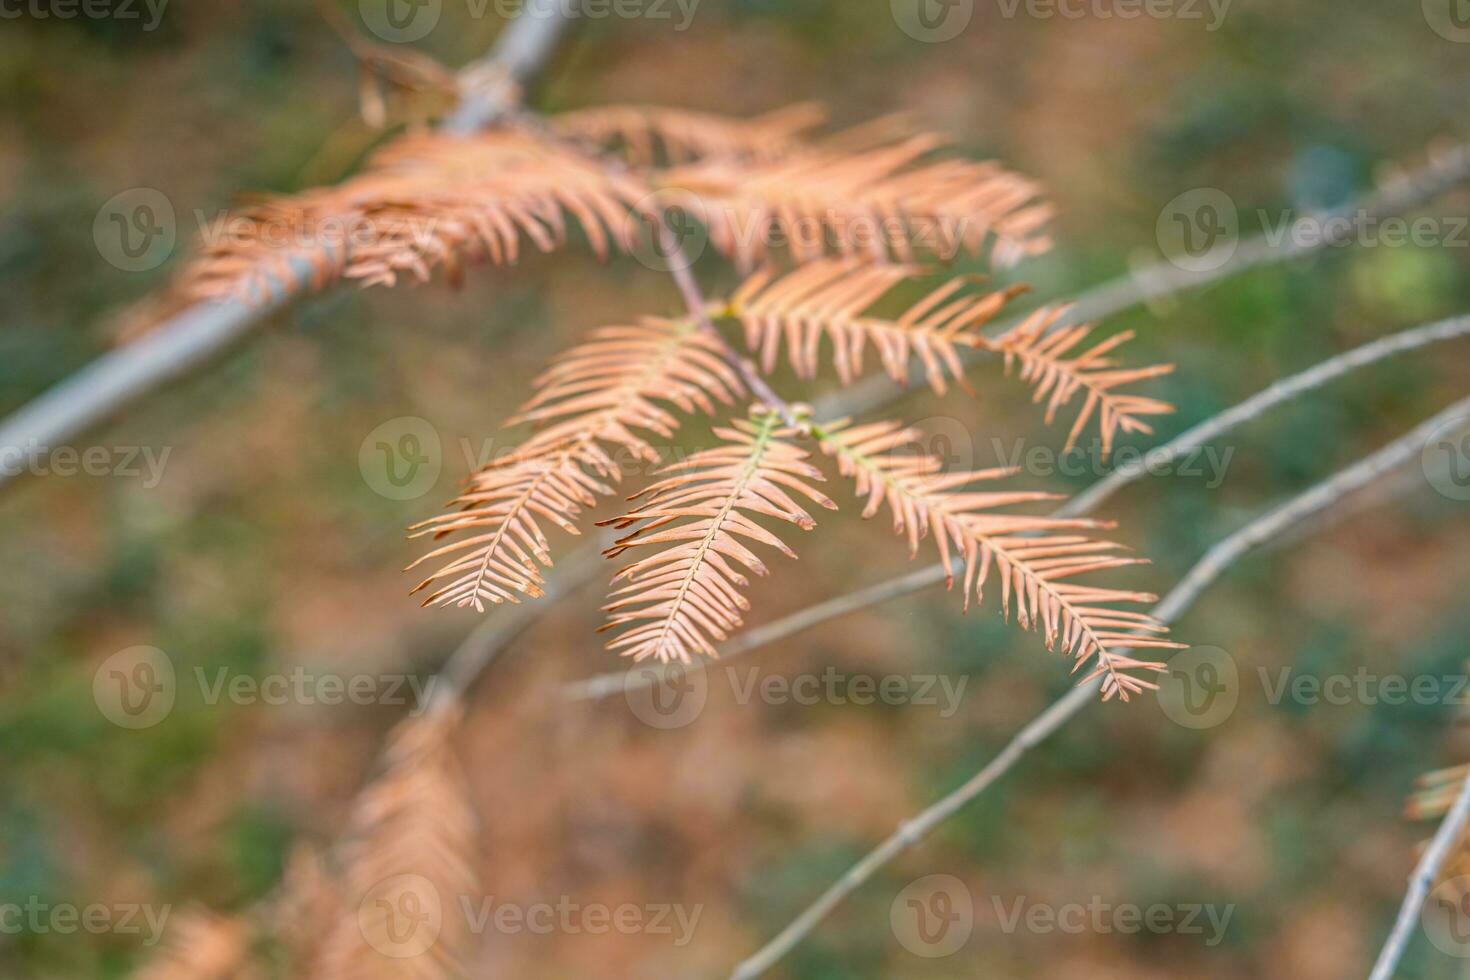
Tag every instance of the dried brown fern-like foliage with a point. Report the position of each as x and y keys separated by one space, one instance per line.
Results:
x=204 y=946
x=650 y=135
x=1035 y=558
x=407 y=866
x=685 y=597
x=830 y=300
x=424 y=201
x=592 y=400
x=1041 y=349
x=879 y=203
x=309 y=903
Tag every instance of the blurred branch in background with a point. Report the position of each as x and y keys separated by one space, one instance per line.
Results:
x=189 y=339
x=1446 y=169
x=1089 y=500
x=1319 y=498
x=1425 y=874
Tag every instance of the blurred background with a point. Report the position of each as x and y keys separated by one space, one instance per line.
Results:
x=261 y=545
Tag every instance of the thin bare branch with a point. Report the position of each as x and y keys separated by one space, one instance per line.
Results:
x=1445 y=170
x=1426 y=873
x=611 y=683
x=1205 y=572
x=190 y=338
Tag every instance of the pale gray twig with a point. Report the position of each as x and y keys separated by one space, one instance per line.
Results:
x=1204 y=573
x=1258 y=404
x=189 y=339
x=1446 y=169
x=1425 y=874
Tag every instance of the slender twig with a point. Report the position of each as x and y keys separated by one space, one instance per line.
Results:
x=1426 y=873
x=1258 y=404
x=190 y=338
x=1445 y=170
x=1266 y=399
x=497 y=632
x=1204 y=573
x=679 y=263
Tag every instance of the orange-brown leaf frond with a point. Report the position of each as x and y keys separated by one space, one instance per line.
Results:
x=1036 y=558
x=408 y=864
x=650 y=135
x=203 y=946
x=882 y=204
x=1041 y=348
x=829 y=299
x=685 y=597
x=308 y=904
x=594 y=402
x=424 y=201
